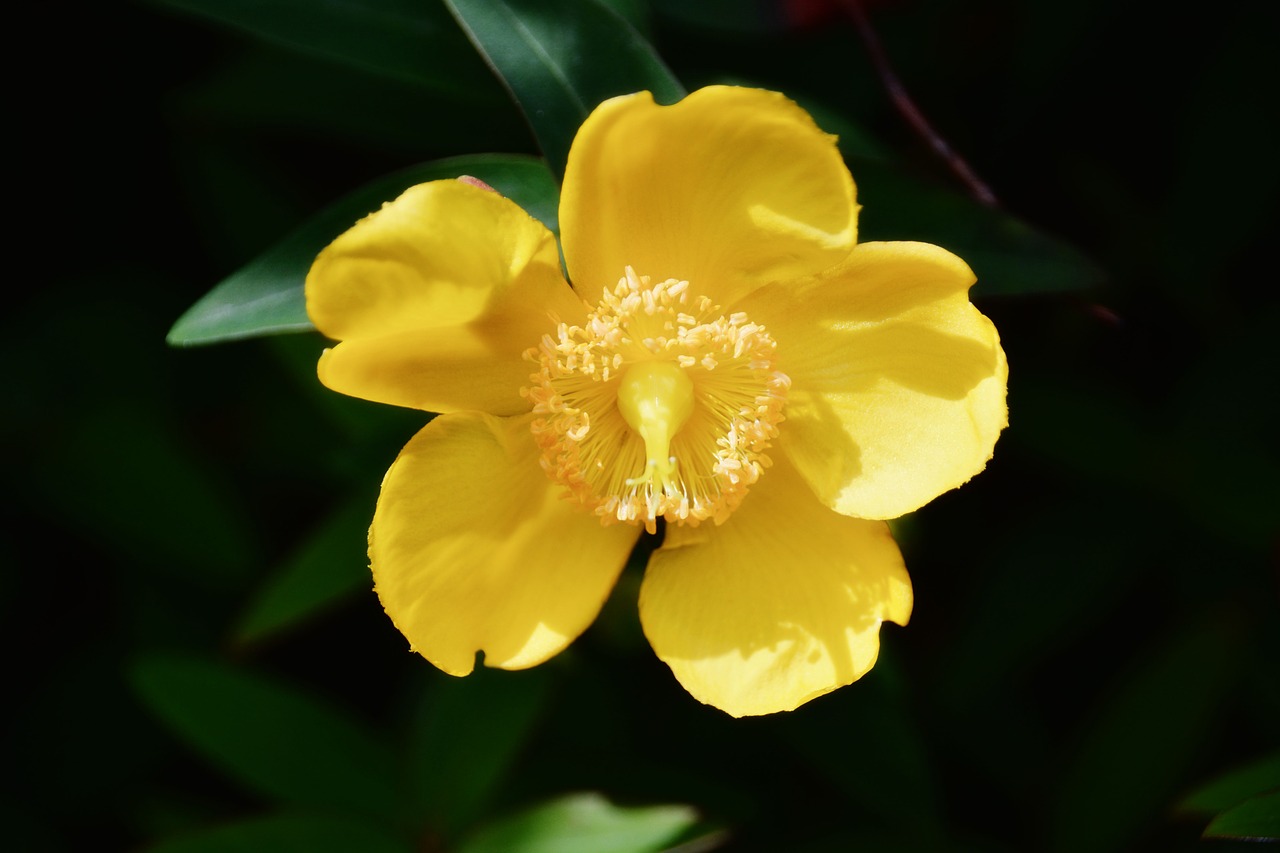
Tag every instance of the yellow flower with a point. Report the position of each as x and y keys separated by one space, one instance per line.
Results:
x=729 y=360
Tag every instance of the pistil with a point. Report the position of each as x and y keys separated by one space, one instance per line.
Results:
x=656 y=399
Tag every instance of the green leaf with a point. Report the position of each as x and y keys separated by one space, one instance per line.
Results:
x=1256 y=819
x=275 y=740
x=125 y=477
x=288 y=834
x=466 y=734
x=266 y=296
x=260 y=91
x=1235 y=786
x=1009 y=257
x=884 y=770
x=1143 y=736
x=1015 y=618
x=560 y=58
x=584 y=823
x=405 y=39
x=330 y=565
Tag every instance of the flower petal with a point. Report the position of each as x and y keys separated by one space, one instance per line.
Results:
x=897 y=381
x=729 y=188
x=434 y=299
x=474 y=549
x=454 y=368
x=780 y=604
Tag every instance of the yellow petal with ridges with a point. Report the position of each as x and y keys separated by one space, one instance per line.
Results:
x=435 y=297
x=455 y=368
x=780 y=604
x=727 y=189
x=897 y=382
x=474 y=549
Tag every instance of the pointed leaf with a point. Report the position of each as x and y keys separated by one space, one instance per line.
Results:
x=327 y=568
x=1235 y=787
x=584 y=823
x=1122 y=771
x=466 y=735
x=1256 y=819
x=266 y=296
x=560 y=58
x=275 y=740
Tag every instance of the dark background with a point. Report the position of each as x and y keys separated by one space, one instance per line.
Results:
x=1095 y=632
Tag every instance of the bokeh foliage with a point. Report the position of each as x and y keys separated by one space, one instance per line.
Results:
x=1092 y=663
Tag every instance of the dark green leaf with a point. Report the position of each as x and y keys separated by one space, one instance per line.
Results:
x=125 y=476
x=1235 y=786
x=288 y=834
x=266 y=296
x=1122 y=773
x=405 y=39
x=584 y=823
x=262 y=92
x=560 y=58
x=330 y=566
x=884 y=768
x=1016 y=617
x=467 y=734
x=275 y=740
x=1256 y=819
x=1008 y=256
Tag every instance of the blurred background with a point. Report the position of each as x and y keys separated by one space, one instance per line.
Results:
x=196 y=659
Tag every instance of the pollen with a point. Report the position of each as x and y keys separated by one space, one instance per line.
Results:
x=659 y=406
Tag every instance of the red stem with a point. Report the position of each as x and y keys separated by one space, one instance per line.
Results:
x=906 y=106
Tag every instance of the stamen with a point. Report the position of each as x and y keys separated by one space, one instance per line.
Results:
x=657 y=406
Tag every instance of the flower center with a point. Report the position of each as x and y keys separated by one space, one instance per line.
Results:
x=658 y=406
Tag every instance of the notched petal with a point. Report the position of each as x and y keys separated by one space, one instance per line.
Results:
x=781 y=604
x=474 y=549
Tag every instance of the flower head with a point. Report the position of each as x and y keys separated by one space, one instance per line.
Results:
x=728 y=360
